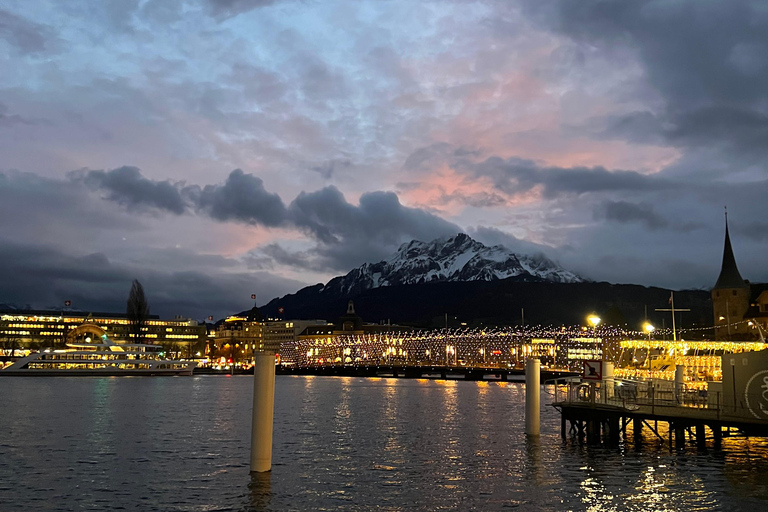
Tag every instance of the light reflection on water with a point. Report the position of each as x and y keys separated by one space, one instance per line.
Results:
x=340 y=444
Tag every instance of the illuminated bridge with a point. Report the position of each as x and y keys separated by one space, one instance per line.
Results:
x=503 y=351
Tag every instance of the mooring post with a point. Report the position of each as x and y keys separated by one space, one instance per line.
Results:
x=532 y=396
x=263 y=412
x=679 y=382
x=608 y=381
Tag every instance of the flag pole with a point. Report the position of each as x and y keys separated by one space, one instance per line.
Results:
x=672 y=301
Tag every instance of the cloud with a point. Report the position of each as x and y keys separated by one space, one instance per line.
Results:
x=128 y=187
x=44 y=276
x=350 y=235
x=242 y=198
x=346 y=234
x=327 y=169
x=713 y=88
x=229 y=8
x=624 y=212
x=493 y=236
x=515 y=176
x=23 y=34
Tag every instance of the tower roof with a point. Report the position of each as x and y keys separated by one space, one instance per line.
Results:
x=729 y=273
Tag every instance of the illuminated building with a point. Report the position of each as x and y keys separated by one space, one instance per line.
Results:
x=49 y=328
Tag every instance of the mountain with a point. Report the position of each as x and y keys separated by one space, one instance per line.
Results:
x=453 y=259
x=461 y=281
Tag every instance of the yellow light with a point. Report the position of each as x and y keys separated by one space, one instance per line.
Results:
x=594 y=320
x=648 y=327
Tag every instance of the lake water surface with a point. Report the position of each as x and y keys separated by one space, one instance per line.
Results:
x=340 y=444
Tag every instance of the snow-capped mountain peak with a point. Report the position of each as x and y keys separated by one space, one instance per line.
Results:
x=455 y=258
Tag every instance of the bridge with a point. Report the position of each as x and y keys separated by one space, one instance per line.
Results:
x=473 y=373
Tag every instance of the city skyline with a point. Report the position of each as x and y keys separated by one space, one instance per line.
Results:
x=217 y=148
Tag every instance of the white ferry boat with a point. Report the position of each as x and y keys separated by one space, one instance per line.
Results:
x=99 y=359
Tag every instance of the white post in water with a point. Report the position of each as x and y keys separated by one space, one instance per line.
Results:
x=263 y=412
x=608 y=383
x=532 y=396
x=679 y=379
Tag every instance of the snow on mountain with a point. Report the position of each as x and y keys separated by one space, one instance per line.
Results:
x=457 y=258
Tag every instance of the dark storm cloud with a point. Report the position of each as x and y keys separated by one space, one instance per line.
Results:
x=380 y=216
x=298 y=259
x=229 y=8
x=707 y=59
x=25 y=35
x=515 y=175
x=128 y=187
x=45 y=276
x=624 y=212
x=350 y=235
x=347 y=234
x=242 y=198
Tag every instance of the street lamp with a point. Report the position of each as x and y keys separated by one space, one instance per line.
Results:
x=647 y=327
x=594 y=320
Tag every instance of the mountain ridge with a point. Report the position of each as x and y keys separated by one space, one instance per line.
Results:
x=456 y=258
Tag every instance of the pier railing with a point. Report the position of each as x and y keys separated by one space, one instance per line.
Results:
x=659 y=396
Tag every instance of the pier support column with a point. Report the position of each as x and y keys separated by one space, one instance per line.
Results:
x=679 y=437
x=637 y=430
x=593 y=432
x=717 y=433
x=701 y=439
x=614 y=431
x=263 y=412
x=532 y=396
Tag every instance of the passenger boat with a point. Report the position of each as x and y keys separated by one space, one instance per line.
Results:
x=99 y=359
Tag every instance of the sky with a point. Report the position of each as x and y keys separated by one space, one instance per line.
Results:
x=214 y=149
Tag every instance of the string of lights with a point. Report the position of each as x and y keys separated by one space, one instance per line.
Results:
x=562 y=347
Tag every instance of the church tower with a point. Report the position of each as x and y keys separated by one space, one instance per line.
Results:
x=730 y=297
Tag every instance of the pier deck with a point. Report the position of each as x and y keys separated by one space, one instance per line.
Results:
x=599 y=411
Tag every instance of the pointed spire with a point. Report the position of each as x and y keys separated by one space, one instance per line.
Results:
x=729 y=273
x=350 y=308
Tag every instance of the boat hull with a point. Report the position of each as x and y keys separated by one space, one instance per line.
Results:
x=95 y=373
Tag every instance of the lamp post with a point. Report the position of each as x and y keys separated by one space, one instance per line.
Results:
x=647 y=327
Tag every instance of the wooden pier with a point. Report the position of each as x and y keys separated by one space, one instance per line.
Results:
x=600 y=412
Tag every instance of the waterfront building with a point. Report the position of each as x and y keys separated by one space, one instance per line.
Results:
x=281 y=336
x=237 y=337
x=37 y=329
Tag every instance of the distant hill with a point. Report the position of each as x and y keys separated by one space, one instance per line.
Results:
x=499 y=302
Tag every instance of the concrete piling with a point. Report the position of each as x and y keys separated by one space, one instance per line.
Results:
x=263 y=412
x=532 y=396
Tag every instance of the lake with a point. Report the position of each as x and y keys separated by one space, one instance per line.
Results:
x=340 y=443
